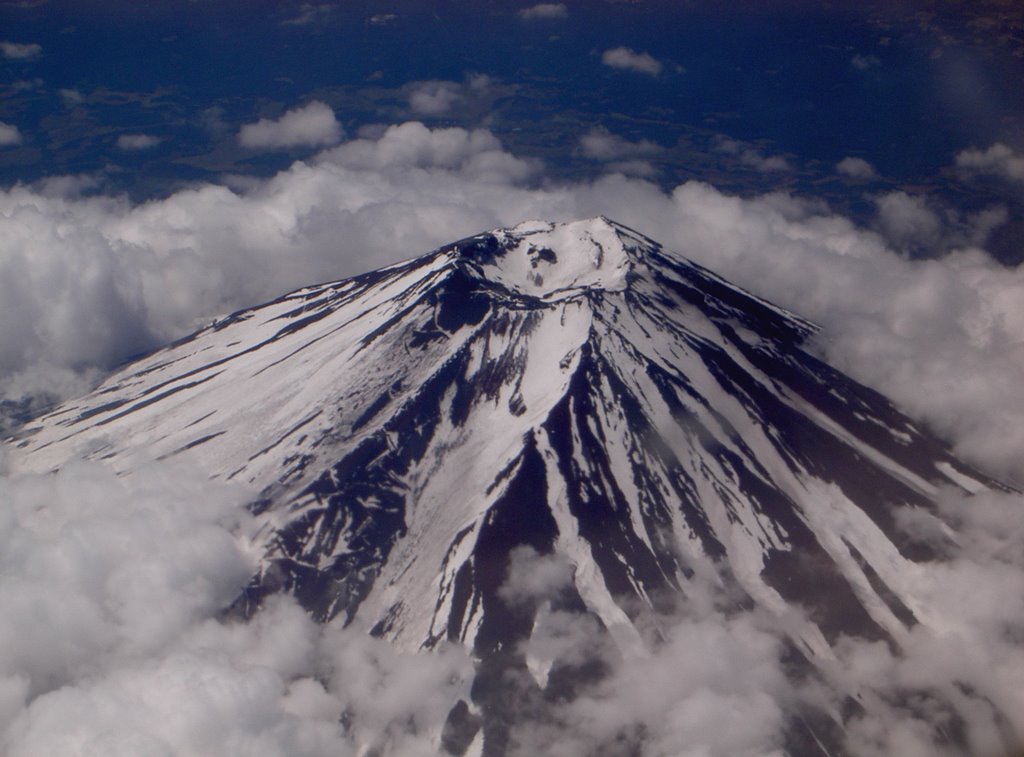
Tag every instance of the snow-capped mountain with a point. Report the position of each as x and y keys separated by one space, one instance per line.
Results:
x=573 y=389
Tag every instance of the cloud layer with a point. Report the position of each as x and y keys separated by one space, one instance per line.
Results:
x=113 y=645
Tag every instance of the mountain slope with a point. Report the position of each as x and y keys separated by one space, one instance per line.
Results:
x=550 y=390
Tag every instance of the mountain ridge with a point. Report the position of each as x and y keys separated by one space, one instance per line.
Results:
x=565 y=390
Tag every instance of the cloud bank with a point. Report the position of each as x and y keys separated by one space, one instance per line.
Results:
x=113 y=644
x=628 y=59
x=311 y=126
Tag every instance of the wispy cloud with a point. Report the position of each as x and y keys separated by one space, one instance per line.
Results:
x=751 y=157
x=19 y=51
x=136 y=142
x=544 y=10
x=71 y=97
x=629 y=60
x=313 y=125
x=619 y=154
x=864 y=62
x=310 y=14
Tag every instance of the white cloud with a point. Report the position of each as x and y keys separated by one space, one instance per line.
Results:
x=857 y=168
x=630 y=60
x=112 y=588
x=908 y=220
x=134 y=142
x=544 y=10
x=535 y=578
x=748 y=156
x=9 y=135
x=475 y=155
x=19 y=51
x=998 y=160
x=601 y=144
x=434 y=98
x=313 y=125
x=438 y=97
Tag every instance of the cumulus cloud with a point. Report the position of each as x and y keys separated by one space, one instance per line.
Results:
x=437 y=98
x=856 y=168
x=313 y=125
x=748 y=156
x=630 y=60
x=20 y=51
x=434 y=98
x=9 y=135
x=997 y=160
x=544 y=10
x=135 y=142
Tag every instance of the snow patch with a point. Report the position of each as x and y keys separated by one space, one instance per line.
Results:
x=556 y=261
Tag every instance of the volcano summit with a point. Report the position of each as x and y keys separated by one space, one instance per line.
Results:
x=550 y=420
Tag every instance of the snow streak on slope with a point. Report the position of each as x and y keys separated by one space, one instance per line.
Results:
x=572 y=389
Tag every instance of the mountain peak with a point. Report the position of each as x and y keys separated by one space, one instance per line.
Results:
x=410 y=433
x=552 y=261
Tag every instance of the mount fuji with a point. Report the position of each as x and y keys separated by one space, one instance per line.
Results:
x=552 y=418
